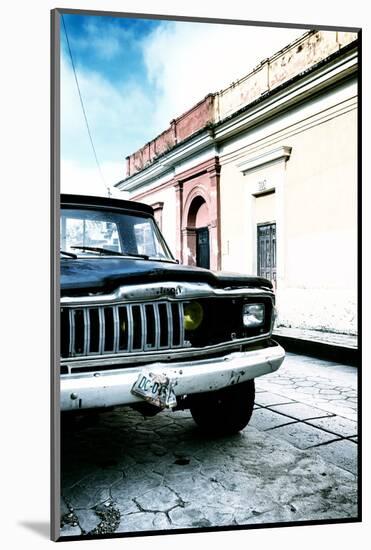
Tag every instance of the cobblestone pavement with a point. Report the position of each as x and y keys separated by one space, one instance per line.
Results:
x=295 y=461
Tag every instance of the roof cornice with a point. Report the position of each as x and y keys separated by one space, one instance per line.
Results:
x=336 y=68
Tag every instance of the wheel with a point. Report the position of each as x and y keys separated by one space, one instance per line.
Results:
x=226 y=411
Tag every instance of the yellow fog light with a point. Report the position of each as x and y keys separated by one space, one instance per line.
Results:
x=193 y=315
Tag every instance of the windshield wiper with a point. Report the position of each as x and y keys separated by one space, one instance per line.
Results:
x=109 y=252
x=98 y=249
x=69 y=254
x=144 y=256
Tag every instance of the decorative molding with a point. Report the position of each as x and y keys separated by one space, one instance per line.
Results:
x=316 y=117
x=274 y=155
x=181 y=178
x=157 y=205
x=167 y=163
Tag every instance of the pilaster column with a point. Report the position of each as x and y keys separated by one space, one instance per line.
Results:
x=179 y=219
x=214 y=213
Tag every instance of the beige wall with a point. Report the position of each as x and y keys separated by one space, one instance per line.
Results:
x=265 y=208
x=315 y=206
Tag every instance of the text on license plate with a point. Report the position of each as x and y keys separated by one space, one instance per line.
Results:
x=155 y=388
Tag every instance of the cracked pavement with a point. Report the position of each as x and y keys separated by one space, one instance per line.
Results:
x=295 y=461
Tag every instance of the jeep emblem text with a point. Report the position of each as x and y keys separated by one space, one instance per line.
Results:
x=169 y=291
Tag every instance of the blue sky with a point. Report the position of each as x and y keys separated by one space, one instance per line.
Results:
x=135 y=75
x=96 y=40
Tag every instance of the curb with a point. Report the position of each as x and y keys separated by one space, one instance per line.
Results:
x=322 y=350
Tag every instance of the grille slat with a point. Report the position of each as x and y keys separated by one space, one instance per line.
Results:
x=86 y=331
x=72 y=331
x=143 y=321
x=101 y=329
x=116 y=328
x=170 y=324
x=181 y=324
x=130 y=327
x=157 y=326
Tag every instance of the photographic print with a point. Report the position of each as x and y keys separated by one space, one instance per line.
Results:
x=206 y=205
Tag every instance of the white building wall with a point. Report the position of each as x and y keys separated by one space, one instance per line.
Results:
x=321 y=228
x=315 y=204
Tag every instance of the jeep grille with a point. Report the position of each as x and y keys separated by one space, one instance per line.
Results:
x=121 y=328
x=154 y=326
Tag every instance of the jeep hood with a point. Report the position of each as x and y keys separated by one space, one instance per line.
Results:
x=105 y=274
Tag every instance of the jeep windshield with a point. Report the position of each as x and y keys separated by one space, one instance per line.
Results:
x=95 y=232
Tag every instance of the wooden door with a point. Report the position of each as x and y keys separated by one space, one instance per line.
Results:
x=267 y=251
x=202 y=247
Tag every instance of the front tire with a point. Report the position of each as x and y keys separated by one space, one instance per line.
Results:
x=226 y=411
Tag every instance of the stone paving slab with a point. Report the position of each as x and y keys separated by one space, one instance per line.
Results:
x=299 y=411
x=264 y=419
x=196 y=515
x=337 y=425
x=88 y=520
x=161 y=499
x=342 y=453
x=140 y=521
x=301 y=435
x=86 y=495
x=266 y=399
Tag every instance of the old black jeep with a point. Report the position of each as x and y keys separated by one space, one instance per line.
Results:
x=139 y=329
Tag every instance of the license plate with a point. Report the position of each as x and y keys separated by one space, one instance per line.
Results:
x=157 y=389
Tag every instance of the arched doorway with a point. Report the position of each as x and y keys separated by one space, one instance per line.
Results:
x=198 y=240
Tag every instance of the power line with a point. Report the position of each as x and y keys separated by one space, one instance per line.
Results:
x=83 y=109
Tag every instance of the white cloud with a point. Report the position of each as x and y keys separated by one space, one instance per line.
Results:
x=86 y=180
x=187 y=61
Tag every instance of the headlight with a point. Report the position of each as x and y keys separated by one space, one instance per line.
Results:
x=253 y=315
x=193 y=315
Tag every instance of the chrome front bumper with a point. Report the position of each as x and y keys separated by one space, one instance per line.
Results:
x=110 y=388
